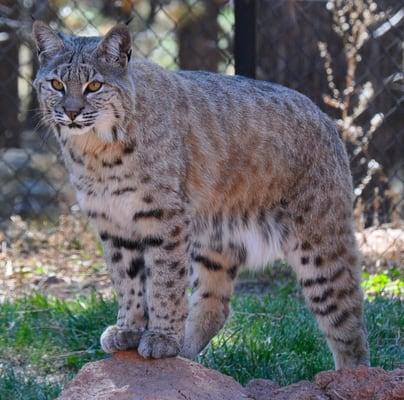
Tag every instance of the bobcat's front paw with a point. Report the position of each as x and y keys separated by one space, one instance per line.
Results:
x=158 y=345
x=115 y=339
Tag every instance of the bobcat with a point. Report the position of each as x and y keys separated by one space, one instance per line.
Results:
x=191 y=176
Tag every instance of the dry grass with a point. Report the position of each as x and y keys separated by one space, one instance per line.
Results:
x=64 y=259
x=60 y=259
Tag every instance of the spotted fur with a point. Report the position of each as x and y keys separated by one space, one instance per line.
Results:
x=193 y=174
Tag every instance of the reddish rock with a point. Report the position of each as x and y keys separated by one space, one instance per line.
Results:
x=127 y=376
x=362 y=384
x=262 y=389
x=350 y=384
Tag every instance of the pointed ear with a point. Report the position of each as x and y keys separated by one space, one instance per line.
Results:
x=115 y=47
x=47 y=40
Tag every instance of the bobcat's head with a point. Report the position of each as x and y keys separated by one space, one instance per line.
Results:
x=83 y=83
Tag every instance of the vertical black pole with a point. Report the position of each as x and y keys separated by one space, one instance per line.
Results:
x=244 y=37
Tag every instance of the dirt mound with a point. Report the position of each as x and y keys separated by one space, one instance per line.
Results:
x=350 y=384
x=127 y=376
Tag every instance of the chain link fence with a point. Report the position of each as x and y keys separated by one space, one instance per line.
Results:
x=346 y=55
x=176 y=34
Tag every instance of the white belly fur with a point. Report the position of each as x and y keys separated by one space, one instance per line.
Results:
x=260 y=252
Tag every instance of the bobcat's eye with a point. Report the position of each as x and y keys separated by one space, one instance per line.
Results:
x=93 y=86
x=57 y=85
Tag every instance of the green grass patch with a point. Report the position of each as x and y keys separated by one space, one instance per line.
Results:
x=388 y=283
x=276 y=337
x=45 y=341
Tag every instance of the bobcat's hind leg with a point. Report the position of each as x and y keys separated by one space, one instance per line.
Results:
x=212 y=278
x=326 y=263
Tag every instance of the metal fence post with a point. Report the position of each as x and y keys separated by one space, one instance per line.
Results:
x=244 y=37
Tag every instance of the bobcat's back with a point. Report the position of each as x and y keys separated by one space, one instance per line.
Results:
x=243 y=141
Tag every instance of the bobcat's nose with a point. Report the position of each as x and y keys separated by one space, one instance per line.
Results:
x=72 y=114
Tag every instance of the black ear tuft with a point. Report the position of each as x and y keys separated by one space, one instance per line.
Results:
x=129 y=20
x=115 y=47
